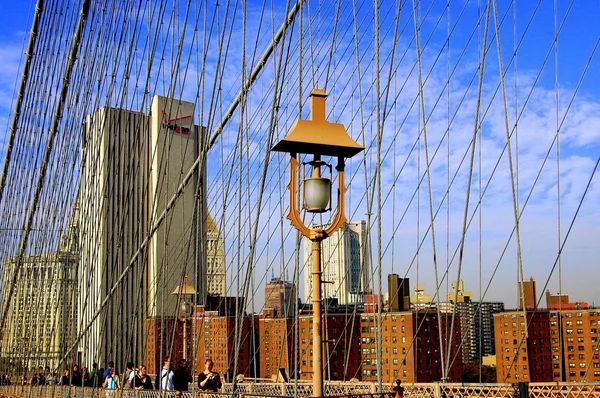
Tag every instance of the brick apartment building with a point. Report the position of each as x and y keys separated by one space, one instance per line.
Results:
x=553 y=345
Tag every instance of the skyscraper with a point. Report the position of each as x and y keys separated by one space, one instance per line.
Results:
x=281 y=295
x=215 y=259
x=477 y=328
x=142 y=228
x=345 y=263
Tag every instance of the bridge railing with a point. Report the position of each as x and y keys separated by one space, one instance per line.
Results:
x=331 y=389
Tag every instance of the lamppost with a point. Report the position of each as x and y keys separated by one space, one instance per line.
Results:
x=317 y=137
x=185 y=292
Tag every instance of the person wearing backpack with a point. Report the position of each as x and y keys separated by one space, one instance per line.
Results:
x=111 y=384
x=164 y=378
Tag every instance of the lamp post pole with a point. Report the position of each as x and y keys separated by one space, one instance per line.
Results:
x=317 y=320
x=185 y=342
x=184 y=291
x=318 y=137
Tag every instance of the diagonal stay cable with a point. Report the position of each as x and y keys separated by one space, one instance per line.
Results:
x=49 y=146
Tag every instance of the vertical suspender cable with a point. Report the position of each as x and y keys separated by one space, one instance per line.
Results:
x=378 y=174
x=429 y=195
x=510 y=161
x=473 y=142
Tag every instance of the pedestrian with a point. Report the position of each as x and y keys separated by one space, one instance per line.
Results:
x=209 y=380
x=111 y=383
x=165 y=377
x=95 y=376
x=182 y=377
x=141 y=380
x=65 y=380
x=85 y=377
x=398 y=388
x=110 y=366
x=129 y=376
x=76 y=378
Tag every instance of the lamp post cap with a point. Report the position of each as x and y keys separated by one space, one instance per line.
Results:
x=317 y=92
x=185 y=288
x=317 y=136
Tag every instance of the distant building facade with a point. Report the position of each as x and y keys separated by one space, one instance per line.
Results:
x=40 y=327
x=344 y=262
x=216 y=282
x=575 y=338
x=523 y=351
x=280 y=295
x=527 y=295
x=420 y=298
x=277 y=346
x=477 y=328
x=398 y=293
x=458 y=293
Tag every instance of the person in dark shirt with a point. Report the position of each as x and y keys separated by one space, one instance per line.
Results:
x=182 y=377
x=398 y=388
x=65 y=380
x=141 y=381
x=209 y=380
x=76 y=378
x=95 y=376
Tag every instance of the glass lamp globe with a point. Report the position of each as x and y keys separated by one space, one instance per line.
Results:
x=317 y=192
x=185 y=309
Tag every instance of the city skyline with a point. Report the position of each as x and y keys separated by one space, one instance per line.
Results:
x=480 y=124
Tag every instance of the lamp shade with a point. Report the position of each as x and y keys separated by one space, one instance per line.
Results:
x=317 y=192
x=317 y=136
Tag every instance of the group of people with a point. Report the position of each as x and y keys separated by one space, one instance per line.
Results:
x=179 y=379
x=168 y=378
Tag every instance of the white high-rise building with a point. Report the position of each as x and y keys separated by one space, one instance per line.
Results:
x=133 y=165
x=345 y=262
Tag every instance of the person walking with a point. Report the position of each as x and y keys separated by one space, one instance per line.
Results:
x=111 y=384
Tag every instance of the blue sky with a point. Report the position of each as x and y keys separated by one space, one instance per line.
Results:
x=580 y=134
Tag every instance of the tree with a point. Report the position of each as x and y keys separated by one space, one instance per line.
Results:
x=471 y=373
